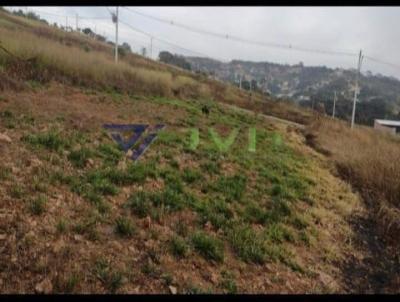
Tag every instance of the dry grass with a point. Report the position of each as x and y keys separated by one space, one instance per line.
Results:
x=75 y=59
x=369 y=160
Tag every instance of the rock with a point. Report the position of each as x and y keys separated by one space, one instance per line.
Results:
x=44 y=287
x=173 y=289
x=5 y=138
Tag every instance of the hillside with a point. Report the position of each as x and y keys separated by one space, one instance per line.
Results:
x=379 y=96
x=269 y=214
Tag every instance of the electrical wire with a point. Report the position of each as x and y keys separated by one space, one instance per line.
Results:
x=239 y=39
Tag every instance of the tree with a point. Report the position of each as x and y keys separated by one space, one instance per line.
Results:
x=126 y=46
x=165 y=56
x=33 y=16
x=87 y=31
x=144 y=51
x=19 y=13
x=100 y=38
x=168 y=58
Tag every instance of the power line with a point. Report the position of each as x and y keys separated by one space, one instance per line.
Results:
x=165 y=41
x=63 y=16
x=239 y=39
x=382 y=62
x=206 y=32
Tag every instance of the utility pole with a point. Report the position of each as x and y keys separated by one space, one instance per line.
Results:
x=151 y=47
x=66 y=23
x=334 y=105
x=240 y=82
x=360 y=58
x=115 y=20
x=76 y=22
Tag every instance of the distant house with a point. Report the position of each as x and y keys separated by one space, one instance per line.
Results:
x=387 y=126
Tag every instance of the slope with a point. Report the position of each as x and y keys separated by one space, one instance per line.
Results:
x=77 y=215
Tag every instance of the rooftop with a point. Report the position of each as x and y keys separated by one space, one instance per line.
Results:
x=388 y=123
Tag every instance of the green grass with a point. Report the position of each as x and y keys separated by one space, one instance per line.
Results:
x=248 y=245
x=211 y=167
x=70 y=283
x=191 y=175
x=179 y=247
x=210 y=247
x=5 y=173
x=17 y=191
x=110 y=278
x=62 y=226
x=232 y=188
x=140 y=204
x=110 y=153
x=38 y=205
x=228 y=283
x=124 y=227
x=278 y=233
x=50 y=140
x=79 y=158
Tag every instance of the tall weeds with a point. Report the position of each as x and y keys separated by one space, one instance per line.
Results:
x=370 y=161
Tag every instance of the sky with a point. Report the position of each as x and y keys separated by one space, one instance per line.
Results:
x=374 y=30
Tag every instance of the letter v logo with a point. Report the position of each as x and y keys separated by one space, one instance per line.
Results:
x=134 y=132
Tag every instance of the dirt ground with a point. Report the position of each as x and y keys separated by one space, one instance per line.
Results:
x=34 y=257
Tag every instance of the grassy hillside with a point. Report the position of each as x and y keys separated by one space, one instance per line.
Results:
x=75 y=59
x=77 y=215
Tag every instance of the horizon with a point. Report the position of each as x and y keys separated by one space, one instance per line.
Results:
x=304 y=28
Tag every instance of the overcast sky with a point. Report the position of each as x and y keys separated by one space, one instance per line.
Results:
x=375 y=30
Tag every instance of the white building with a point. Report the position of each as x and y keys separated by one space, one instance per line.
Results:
x=387 y=126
